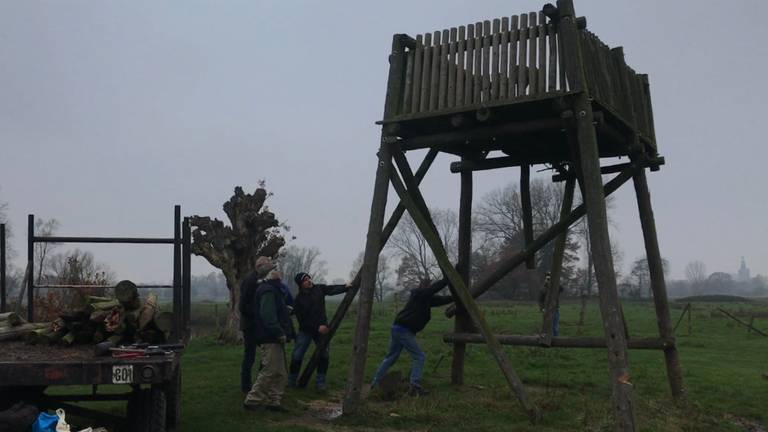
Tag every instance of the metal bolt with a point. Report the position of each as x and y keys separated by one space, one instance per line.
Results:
x=582 y=113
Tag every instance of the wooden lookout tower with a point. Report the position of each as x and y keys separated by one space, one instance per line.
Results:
x=541 y=89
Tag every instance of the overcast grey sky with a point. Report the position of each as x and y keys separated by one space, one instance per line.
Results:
x=114 y=111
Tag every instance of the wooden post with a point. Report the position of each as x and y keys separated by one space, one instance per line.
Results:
x=30 y=268
x=346 y=302
x=597 y=219
x=463 y=322
x=525 y=201
x=658 y=285
x=465 y=297
x=553 y=293
x=373 y=242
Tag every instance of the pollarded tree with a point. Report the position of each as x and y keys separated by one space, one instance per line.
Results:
x=254 y=231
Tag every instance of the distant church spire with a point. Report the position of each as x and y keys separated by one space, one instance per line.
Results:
x=743 y=274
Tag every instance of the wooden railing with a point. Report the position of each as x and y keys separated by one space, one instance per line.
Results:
x=616 y=85
x=513 y=59
x=481 y=63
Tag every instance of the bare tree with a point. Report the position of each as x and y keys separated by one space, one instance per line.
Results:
x=296 y=259
x=640 y=275
x=254 y=231
x=417 y=260
x=696 y=272
x=383 y=275
x=44 y=228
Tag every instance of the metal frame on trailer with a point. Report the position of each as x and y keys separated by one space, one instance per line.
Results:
x=181 y=242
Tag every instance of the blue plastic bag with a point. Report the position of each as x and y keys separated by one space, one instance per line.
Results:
x=45 y=423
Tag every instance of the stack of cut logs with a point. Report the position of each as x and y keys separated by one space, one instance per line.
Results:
x=119 y=319
x=12 y=326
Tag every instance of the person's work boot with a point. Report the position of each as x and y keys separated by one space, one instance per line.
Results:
x=417 y=390
x=320 y=383
x=252 y=406
x=292 y=380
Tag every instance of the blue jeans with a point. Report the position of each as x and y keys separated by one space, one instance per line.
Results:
x=402 y=338
x=300 y=349
x=556 y=323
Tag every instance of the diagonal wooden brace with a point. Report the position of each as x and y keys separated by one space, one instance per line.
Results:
x=462 y=291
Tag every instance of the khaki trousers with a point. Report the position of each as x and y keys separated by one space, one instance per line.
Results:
x=270 y=383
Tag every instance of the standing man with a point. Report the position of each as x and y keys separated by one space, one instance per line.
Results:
x=248 y=318
x=411 y=320
x=271 y=329
x=309 y=308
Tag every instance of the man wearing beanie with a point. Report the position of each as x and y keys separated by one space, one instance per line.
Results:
x=268 y=329
x=309 y=308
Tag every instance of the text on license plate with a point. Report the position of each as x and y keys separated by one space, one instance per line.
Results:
x=122 y=374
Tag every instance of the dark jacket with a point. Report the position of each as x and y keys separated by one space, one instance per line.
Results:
x=247 y=298
x=271 y=319
x=309 y=306
x=417 y=312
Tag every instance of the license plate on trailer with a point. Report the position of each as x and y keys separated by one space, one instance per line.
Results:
x=122 y=374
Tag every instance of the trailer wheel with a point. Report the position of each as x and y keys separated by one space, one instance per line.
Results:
x=147 y=410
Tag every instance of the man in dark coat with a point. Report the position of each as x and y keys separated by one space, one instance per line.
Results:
x=411 y=320
x=309 y=308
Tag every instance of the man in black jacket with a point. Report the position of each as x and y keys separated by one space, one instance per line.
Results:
x=411 y=320
x=269 y=329
x=309 y=308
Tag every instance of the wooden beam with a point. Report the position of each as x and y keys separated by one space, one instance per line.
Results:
x=553 y=291
x=353 y=391
x=658 y=285
x=502 y=267
x=525 y=204
x=597 y=219
x=463 y=322
x=468 y=165
x=558 y=342
x=466 y=299
x=610 y=169
x=726 y=313
x=346 y=302
x=485 y=134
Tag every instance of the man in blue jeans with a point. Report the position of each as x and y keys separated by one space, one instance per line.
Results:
x=409 y=321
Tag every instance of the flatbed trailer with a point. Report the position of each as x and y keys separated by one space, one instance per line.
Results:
x=152 y=384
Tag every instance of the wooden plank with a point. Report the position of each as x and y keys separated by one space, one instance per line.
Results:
x=562 y=78
x=553 y=291
x=408 y=89
x=527 y=208
x=552 y=68
x=346 y=302
x=504 y=59
x=726 y=313
x=502 y=267
x=469 y=77
x=434 y=80
x=686 y=309
x=452 y=69
x=522 y=68
x=461 y=290
x=658 y=285
x=514 y=36
x=443 y=83
x=495 y=41
x=477 y=79
x=417 y=85
x=557 y=342
x=533 y=33
x=426 y=73
x=487 y=38
x=461 y=67
x=542 y=68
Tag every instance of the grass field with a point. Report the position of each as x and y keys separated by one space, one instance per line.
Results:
x=723 y=373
